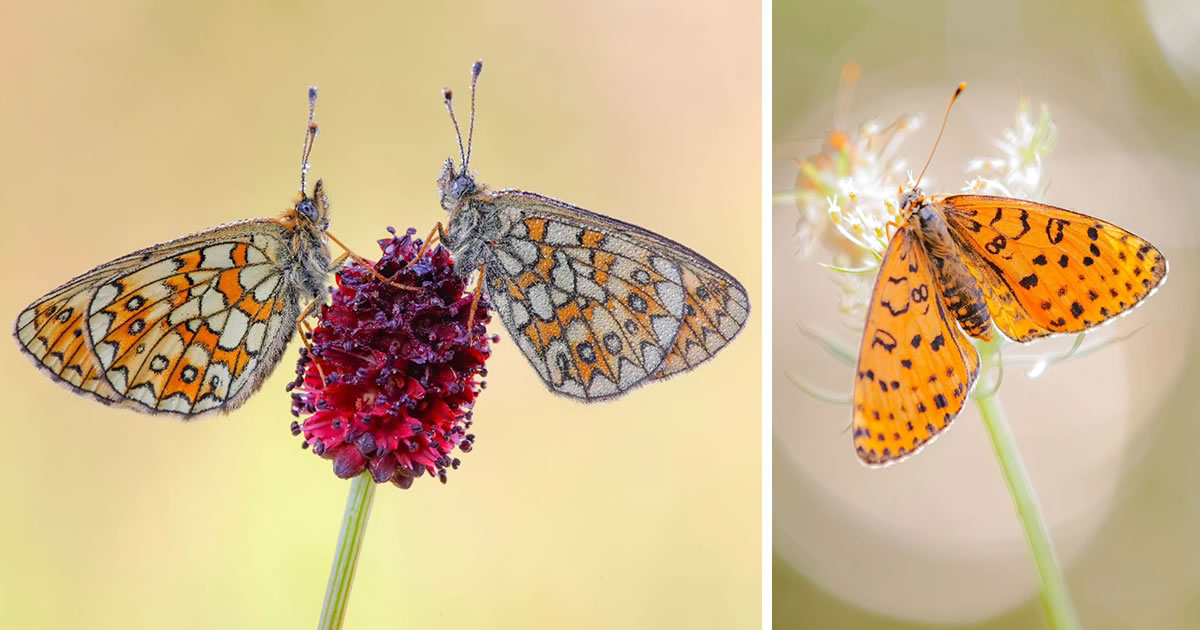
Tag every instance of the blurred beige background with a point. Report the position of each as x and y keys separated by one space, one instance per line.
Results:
x=1108 y=439
x=132 y=123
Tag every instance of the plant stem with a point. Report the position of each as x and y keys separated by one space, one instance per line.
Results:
x=1056 y=597
x=345 y=559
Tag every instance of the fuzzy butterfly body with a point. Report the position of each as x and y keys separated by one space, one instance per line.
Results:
x=190 y=326
x=1030 y=269
x=599 y=307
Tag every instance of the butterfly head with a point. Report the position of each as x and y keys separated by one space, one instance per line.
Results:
x=910 y=200
x=312 y=212
x=456 y=186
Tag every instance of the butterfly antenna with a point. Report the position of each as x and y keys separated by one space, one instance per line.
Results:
x=310 y=137
x=476 y=68
x=961 y=86
x=447 y=97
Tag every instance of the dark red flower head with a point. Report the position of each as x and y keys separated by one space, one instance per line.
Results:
x=397 y=369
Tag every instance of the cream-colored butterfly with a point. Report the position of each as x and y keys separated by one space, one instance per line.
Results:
x=190 y=326
x=598 y=306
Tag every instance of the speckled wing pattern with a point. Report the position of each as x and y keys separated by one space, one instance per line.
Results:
x=915 y=367
x=1031 y=269
x=1047 y=270
x=600 y=307
x=186 y=327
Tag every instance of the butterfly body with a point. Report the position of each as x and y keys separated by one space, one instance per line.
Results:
x=961 y=293
x=190 y=326
x=1029 y=269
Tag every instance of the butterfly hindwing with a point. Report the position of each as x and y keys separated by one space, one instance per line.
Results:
x=716 y=309
x=600 y=307
x=915 y=367
x=1048 y=270
x=53 y=334
x=189 y=326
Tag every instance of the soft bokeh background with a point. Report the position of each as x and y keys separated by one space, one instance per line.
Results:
x=1109 y=439
x=131 y=123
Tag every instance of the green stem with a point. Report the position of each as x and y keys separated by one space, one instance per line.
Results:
x=345 y=559
x=1056 y=597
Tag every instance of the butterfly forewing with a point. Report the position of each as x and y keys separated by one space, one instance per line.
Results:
x=915 y=367
x=1047 y=270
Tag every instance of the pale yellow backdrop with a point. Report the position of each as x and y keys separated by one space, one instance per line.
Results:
x=136 y=122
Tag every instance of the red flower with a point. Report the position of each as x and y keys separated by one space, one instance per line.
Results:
x=394 y=379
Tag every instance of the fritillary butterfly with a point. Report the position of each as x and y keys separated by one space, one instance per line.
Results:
x=840 y=153
x=193 y=325
x=1030 y=269
x=598 y=306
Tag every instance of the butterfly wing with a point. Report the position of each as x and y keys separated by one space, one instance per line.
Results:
x=1047 y=270
x=53 y=334
x=915 y=367
x=599 y=306
x=190 y=326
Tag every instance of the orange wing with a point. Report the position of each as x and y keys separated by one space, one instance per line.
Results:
x=188 y=327
x=1046 y=270
x=915 y=367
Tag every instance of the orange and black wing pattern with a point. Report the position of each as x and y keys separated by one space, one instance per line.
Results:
x=915 y=366
x=1046 y=270
x=186 y=327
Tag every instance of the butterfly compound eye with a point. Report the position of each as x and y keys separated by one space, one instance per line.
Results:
x=307 y=208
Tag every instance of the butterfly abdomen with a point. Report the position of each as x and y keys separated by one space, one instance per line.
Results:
x=963 y=298
x=961 y=293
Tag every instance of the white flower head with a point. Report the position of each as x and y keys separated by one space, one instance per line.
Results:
x=846 y=194
x=1018 y=171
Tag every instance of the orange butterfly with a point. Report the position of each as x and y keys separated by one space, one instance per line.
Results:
x=1031 y=269
x=842 y=152
x=190 y=326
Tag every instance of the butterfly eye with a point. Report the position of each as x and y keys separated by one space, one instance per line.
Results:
x=308 y=209
x=462 y=185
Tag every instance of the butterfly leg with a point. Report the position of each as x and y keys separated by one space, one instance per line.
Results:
x=890 y=228
x=475 y=300
x=306 y=331
x=339 y=261
x=368 y=265
x=436 y=233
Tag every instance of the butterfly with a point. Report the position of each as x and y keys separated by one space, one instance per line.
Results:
x=872 y=148
x=193 y=325
x=842 y=152
x=955 y=267
x=599 y=307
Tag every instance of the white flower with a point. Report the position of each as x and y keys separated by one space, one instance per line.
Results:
x=1019 y=171
x=851 y=187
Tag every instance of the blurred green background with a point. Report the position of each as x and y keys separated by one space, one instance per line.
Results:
x=1109 y=439
x=131 y=123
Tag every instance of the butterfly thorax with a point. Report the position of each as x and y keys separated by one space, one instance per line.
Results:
x=961 y=293
x=311 y=261
x=475 y=222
